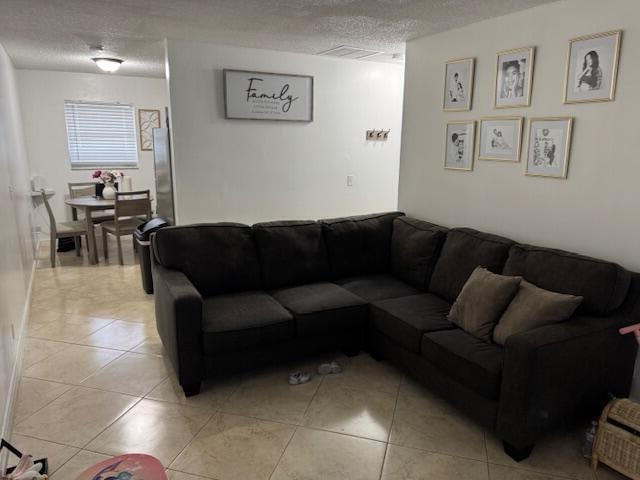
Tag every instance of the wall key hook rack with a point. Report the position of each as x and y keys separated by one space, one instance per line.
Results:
x=379 y=135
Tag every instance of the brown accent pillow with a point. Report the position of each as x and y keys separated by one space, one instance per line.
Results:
x=482 y=301
x=534 y=307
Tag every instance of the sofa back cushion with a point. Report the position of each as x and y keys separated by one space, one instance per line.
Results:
x=603 y=285
x=359 y=245
x=216 y=258
x=291 y=253
x=415 y=246
x=463 y=251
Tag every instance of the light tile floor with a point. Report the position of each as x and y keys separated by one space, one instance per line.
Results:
x=96 y=383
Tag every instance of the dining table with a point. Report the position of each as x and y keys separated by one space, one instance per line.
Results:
x=89 y=204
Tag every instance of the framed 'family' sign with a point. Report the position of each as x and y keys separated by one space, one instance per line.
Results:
x=268 y=96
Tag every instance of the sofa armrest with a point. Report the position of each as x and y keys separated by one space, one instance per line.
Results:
x=557 y=373
x=179 y=322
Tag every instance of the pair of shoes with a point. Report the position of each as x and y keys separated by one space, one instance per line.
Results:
x=329 y=367
x=298 y=378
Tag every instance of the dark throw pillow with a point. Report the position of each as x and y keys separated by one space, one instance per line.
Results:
x=482 y=301
x=534 y=307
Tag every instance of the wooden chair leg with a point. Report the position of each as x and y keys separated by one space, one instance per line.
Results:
x=105 y=245
x=76 y=242
x=120 y=259
x=52 y=251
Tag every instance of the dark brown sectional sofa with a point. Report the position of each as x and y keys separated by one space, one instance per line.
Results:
x=231 y=297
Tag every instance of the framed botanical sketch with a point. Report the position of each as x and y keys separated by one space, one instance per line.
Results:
x=500 y=138
x=459 y=144
x=549 y=146
x=458 y=85
x=592 y=68
x=147 y=121
x=514 y=75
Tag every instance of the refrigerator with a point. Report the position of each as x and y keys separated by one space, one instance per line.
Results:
x=165 y=207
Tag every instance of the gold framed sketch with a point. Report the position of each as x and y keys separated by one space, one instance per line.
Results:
x=500 y=138
x=514 y=77
x=459 y=145
x=592 y=67
x=549 y=146
x=458 y=84
x=147 y=121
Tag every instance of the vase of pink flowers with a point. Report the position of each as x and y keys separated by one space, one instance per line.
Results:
x=109 y=178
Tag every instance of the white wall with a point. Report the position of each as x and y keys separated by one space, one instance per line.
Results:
x=16 y=245
x=594 y=211
x=249 y=171
x=42 y=96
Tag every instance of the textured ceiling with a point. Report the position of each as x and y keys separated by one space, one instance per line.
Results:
x=59 y=34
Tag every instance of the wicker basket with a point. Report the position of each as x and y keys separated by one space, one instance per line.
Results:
x=617 y=442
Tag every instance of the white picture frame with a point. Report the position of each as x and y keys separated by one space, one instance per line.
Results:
x=500 y=138
x=514 y=78
x=458 y=85
x=459 y=145
x=253 y=95
x=592 y=68
x=549 y=146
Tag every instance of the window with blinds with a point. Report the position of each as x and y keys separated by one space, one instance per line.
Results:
x=101 y=134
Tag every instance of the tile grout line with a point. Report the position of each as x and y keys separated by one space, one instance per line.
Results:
x=393 y=417
x=284 y=450
x=50 y=474
x=486 y=454
x=114 y=421
x=313 y=396
x=539 y=471
x=212 y=414
x=48 y=403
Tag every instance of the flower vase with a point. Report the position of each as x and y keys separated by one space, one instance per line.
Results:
x=109 y=191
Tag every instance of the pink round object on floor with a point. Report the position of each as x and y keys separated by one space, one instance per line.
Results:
x=133 y=466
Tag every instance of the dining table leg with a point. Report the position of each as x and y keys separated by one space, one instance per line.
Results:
x=91 y=237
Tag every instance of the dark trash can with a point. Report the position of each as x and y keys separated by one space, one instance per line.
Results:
x=142 y=235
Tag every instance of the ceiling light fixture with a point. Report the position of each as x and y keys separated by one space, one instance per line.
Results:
x=110 y=65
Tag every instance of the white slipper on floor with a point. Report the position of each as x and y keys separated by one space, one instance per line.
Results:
x=329 y=368
x=336 y=367
x=298 y=378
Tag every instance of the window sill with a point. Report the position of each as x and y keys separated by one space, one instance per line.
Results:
x=103 y=167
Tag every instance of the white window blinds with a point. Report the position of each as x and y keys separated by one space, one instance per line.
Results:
x=101 y=134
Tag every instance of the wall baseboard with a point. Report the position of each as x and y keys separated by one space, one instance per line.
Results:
x=16 y=373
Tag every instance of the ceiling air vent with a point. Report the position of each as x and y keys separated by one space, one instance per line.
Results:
x=349 y=52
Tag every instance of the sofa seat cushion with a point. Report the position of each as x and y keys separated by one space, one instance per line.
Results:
x=471 y=361
x=322 y=308
x=243 y=320
x=405 y=319
x=377 y=287
x=463 y=251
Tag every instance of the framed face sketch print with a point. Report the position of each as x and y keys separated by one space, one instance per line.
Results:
x=459 y=144
x=548 y=146
x=500 y=138
x=513 y=78
x=458 y=85
x=592 y=68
